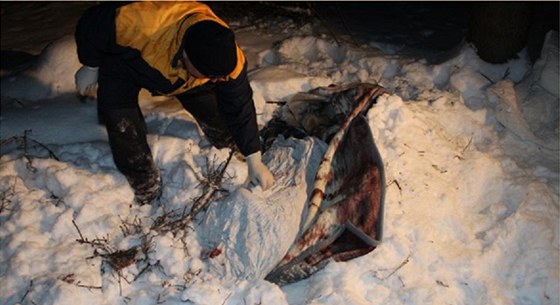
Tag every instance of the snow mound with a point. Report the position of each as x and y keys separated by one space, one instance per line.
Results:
x=49 y=76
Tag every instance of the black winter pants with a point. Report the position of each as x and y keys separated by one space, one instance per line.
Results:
x=203 y=105
x=118 y=109
x=117 y=106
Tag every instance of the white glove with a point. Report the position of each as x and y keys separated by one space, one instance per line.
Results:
x=258 y=172
x=86 y=79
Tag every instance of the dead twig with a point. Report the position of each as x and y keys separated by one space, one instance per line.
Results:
x=467 y=146
x=26 y=153
x=25 y=141
x=276 y=102
x=407 y=259
x=135 y=227
x=146 y=268
x=117 y=259
x=145 y=248
x=6 y=197
x=174 y=221
x=121 y=259
x=213 y=182
x=210 y=186
x=394 y=181
x=71 y=279
x=227 y=297
x=88 y=286
x=82 y=239
x=27 y=292
x=488 y=78
x=506 y=74
x=160 y=299
x=439 y=169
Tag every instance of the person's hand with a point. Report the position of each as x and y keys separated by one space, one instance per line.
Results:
x=86 y=79
x=258 y=172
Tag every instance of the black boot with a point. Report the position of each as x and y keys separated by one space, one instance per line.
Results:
x=127 y=136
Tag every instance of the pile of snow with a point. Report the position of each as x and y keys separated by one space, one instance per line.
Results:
x=471 y=213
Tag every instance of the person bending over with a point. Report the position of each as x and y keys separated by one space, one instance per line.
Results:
x=179 y=49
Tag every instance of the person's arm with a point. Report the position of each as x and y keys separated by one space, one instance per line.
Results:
x=95 y=37
x=95 y=34
x=235 y=101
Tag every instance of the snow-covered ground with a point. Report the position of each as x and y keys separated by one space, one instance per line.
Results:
x=471 y=161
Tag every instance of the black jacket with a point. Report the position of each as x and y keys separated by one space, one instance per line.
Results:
x=115 y=29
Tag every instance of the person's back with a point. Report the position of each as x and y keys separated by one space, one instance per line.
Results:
x=179 y=49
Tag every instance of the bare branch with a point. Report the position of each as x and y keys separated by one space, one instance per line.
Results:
x=81 y=240
x=394 y=181
x=174 y=221
x=27 y=292
x=6 y=197
x=467 y=146
x=407 y=259
x=25 y=141
x=211 y=185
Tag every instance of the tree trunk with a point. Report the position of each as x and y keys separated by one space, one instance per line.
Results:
x=499 y=30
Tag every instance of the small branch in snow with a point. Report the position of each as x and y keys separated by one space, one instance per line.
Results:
x=488 y=78
x=174 y=221
x=227 y=297
x=506 y=73
x=394 y=181
x=88 y=286
x=71 y=279
x=6 y=197
x=81 y=240
x=190 y=275
x=160 y=299
x=407 y=259
x=147 y=247
x=144 y=270
x=276 y=102
x=467 y=146
x=117 y=259
x=402 y=282
x=25 y=141
x=420 y=152
x=121 y=259
x=26 y=153
x=135 y=227
x=441 y=170
x=27 y=292
x=211 y=185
